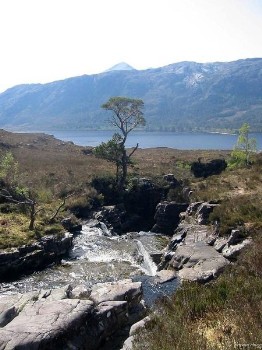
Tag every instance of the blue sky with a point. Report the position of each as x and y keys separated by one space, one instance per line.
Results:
x=47 y=40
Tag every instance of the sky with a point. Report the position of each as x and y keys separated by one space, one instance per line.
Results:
x=47 y=40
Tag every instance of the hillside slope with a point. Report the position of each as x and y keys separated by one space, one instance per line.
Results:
x=180 y=96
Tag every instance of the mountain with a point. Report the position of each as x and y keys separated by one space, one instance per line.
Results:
x=120 y=66
x=181 y=96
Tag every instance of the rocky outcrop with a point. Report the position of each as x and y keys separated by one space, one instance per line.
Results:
x=167 y=217
x=33 y=257
x=112 y=216
x=71 y=224
x=140 y=202
x=43 y=320
x=196 y=251
x=128 y=344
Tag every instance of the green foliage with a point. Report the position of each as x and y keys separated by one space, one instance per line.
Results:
x=244 y=148
x=8 y=168
x=107 y=186
x=127 y=115
x=183 y=164
x=111 y=150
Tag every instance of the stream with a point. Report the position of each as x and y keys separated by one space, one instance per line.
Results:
x=99 y=256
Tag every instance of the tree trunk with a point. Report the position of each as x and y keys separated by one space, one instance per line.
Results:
x=32 y=217
x=124 y=161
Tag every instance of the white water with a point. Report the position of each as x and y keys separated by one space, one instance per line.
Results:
x=95 y=257
x=148 y=265
x=105 y=230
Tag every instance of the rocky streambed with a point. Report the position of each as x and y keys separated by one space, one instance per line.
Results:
x=100 y=284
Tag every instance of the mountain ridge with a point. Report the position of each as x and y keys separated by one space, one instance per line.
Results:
x=181 y=96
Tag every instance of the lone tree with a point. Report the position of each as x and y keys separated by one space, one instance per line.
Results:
x=245 y=146
x=127 y=115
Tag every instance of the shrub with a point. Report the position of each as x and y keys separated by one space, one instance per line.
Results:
x=214 y=167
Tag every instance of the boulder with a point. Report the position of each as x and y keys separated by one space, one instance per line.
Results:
x=235 y=237
x=128 y=344
x=171 y=180
x=164 y=276
x=199 y=262
x=203 y=211
x=71 y=224
x=124 y=290
x=220 y=243
x=167 y=217
x=80 y=292
x=232 y=251
x=108 y=317
x=205 y=270
x=112 y=216
x=139 y=325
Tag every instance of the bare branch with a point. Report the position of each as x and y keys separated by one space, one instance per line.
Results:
x=60 y=207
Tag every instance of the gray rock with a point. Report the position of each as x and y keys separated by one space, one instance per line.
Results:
x=204 y=270
x=198 y=262
x=220 y=243
x=40 y=320
x=203 y=212
x=139 y=325
x=109 y=317
x=122 y=290
x=231 y=252
x=47 y=325
x=192 y=208
x=156 y=257
x=164 y=276
x=29 y=258
x=59 y=293
x=235 y=237
x=128 y=344
x=137 y=312
x=167 y=217
x=80 y=292
x=211 y=239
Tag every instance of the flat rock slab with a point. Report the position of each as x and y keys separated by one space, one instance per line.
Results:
x=125 y=290
x=46 y=325
x=198 y=262
x=164 y=276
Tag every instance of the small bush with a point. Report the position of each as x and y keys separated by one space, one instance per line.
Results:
x=107 y=186
x=214 y=167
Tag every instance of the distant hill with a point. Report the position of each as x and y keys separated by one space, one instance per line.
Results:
x=180 y=96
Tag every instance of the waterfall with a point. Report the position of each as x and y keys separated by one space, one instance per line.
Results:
x=105 y=230
x=148 y=264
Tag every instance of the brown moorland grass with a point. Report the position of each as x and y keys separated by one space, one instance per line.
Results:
x=44 y=160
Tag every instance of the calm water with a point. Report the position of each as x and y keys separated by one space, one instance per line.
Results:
x=157 y=139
